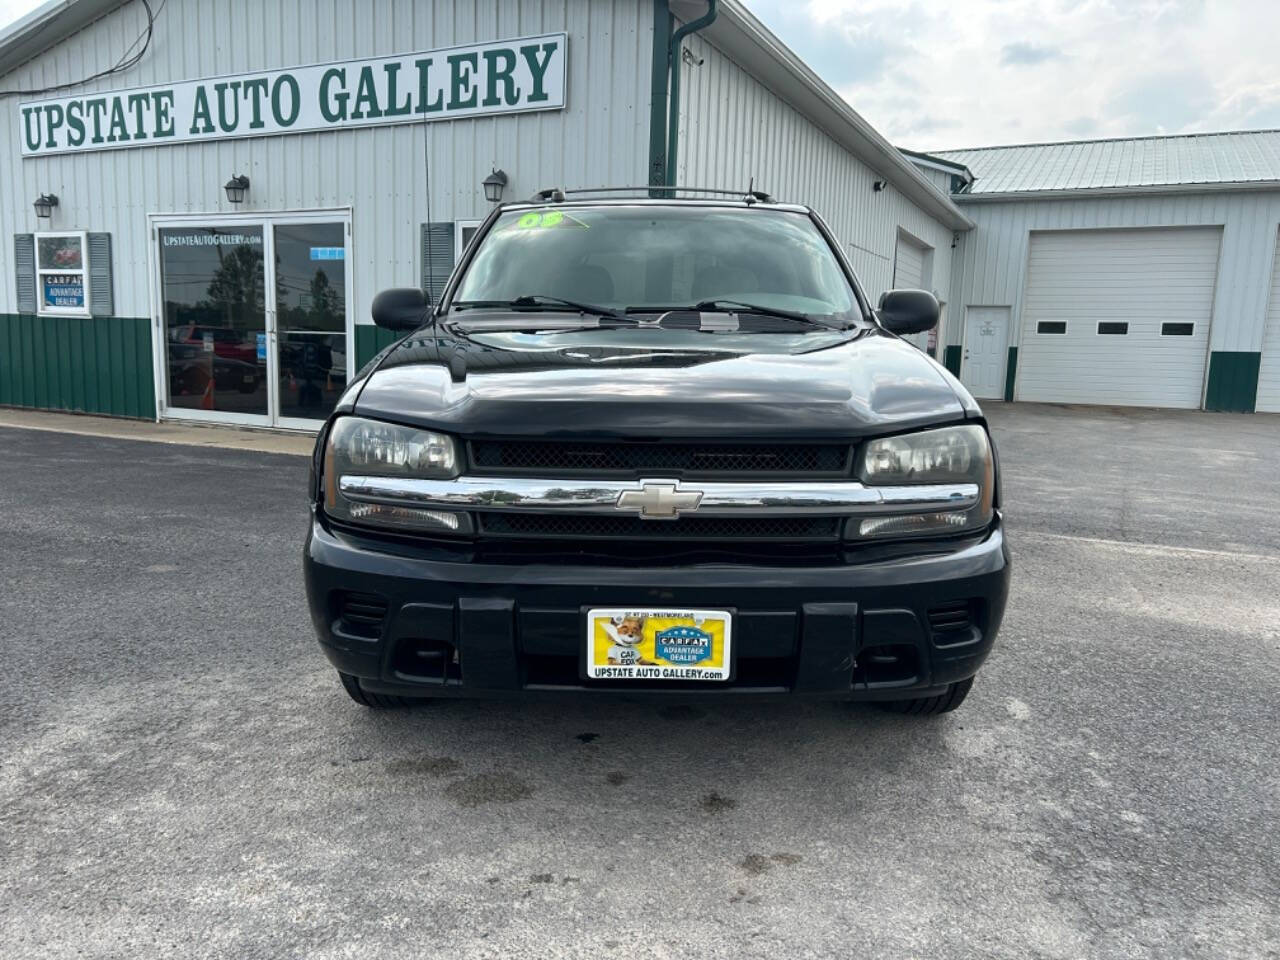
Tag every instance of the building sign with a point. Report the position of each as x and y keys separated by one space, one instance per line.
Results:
x=509 y=76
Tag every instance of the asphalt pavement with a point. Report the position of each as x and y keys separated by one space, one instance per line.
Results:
x=182 y=776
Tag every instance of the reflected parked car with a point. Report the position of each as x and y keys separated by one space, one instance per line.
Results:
x=189 y=371
x=228 y=343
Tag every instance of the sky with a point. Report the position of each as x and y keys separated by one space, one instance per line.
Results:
x=939 y=74
x=969 y=73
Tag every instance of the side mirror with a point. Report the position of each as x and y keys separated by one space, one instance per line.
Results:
x=908 y=311
x=400 y=308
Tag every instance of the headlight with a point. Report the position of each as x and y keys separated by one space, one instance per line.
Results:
x=947 y=456
x=369 y=448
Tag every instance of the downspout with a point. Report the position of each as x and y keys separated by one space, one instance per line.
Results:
x=658 y=97
x=673 y=115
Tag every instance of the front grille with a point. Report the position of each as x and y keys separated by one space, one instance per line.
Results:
x=591 y=527
x=551 y=457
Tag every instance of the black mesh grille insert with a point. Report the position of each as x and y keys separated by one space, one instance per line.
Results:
x=579 y=526
x=546 y=457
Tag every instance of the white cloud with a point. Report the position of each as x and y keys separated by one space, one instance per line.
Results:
x=980 y=72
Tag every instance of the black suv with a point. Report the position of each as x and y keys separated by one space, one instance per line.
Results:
x=656 y=447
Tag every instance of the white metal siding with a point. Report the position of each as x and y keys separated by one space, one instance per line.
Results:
x=600 y=138
x=1144 y=278
x=734 y=130
x=989 y=262
x=1269 y=374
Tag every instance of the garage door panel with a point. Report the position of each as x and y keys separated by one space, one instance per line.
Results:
x=1145 y=278
x=908 y=273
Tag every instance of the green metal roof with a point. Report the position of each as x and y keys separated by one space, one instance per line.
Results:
x=1217 y=159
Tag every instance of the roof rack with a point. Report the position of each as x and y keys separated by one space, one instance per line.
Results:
x=559 y=195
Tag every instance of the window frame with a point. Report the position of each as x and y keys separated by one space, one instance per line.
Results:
x=1051 y=333
x=1178 y=323
x=1098 y=331
x=459 y=228
x=83 y=270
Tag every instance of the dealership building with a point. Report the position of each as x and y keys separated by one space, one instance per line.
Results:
x=200 y=199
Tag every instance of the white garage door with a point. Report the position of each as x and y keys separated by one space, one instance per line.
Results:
x=1269 y=374
x=1118 y=316
x=908 y=274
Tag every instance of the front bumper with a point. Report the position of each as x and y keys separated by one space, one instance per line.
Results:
x=890 y=629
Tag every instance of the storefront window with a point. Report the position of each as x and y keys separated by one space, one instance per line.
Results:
x=62 y=275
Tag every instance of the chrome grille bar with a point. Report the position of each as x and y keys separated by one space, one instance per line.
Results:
x=750 y=499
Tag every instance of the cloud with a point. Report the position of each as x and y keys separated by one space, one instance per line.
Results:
x=1024 y=54
x=1081 y=126
x=1165 y=101
x=936 y=76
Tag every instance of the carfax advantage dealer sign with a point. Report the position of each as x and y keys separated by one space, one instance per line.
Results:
x=509 y=76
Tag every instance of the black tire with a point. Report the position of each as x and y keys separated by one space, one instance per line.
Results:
x=944 y=702
x=374 y=701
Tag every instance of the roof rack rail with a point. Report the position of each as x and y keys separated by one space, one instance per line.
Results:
x=559 y=195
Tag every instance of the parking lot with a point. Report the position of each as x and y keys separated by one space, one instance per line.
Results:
x=181 y=775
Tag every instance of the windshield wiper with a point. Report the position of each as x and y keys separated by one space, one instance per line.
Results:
x=540 y=301
x=757 y=308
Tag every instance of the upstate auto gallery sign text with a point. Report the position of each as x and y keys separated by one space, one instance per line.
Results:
x=509 y=76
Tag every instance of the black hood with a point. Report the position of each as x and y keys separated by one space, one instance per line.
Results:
x=868 y=383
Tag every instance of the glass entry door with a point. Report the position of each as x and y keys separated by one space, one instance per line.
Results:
x=213 y=284
x=254 y=318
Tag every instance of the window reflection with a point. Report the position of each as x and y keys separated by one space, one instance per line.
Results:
x=213 y=287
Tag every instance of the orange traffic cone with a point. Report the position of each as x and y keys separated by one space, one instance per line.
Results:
x=206 y=401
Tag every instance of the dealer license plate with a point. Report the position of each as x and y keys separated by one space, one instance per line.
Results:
x=651 y=644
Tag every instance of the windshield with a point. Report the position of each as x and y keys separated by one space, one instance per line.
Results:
x=656 y=258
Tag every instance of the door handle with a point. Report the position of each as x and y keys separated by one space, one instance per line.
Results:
x=966 y=354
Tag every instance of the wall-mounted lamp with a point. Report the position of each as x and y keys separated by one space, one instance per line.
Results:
x=879 y=185
x=237 y=186
x=45 y=204
x=493 y=185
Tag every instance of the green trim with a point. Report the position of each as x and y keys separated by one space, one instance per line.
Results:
x=80 y=364
x=370 y=340
x=1233 y=381
x=1010 y=372
x=952 y=359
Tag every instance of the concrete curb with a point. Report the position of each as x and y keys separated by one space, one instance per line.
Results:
x=192 y=435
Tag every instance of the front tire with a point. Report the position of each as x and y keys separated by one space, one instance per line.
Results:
x=374 y=701
x=944 y=702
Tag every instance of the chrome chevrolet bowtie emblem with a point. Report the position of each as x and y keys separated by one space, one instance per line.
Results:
x=659 y=501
